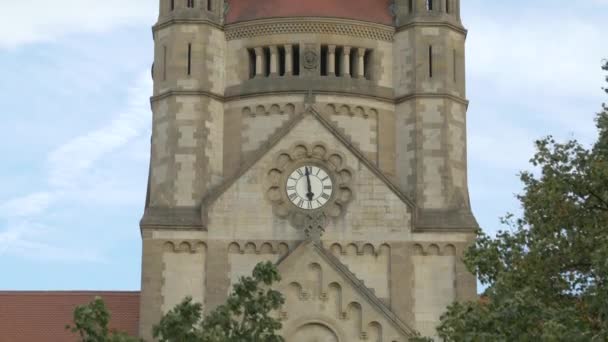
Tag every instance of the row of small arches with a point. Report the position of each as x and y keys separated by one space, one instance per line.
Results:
x=260 y=248
x=185 y=247
x=344 y=109
x=275 y=109
x=360 y=249
x=434 y=249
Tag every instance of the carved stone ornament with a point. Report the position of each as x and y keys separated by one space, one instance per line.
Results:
x=311 y=59
x=313 y=224
x=311 y=218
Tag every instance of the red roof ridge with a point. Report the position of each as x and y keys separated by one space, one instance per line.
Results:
x=70 y=293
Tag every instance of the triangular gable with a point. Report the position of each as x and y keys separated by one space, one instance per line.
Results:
x=280 y=134
x=301 y=254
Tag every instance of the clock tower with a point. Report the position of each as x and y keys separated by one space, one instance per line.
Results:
x=328 y=137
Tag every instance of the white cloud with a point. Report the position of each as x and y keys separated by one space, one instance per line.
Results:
x=29 y=21
x=69 y=166
x=32 y=204
x=72 y=159
x=25 y=240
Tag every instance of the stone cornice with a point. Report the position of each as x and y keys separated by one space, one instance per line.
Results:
x=291 y=92
x=425 y=23
x=432 y=96
x=191 y=21
x=315 y=25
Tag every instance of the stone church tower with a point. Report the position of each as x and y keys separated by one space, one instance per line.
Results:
x=328 y=136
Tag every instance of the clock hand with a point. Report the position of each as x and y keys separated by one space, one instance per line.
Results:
x=310 y=195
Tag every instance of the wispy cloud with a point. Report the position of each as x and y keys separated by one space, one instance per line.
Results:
x=68 y=162
x=29 y=21
x=69 y=167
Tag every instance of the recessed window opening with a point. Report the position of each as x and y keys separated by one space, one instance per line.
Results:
x=296 y=60
x=172 y=5
x=353 y=62
x=281 y=60
x=429 y=5
x=190 y=3
x=266 y=62
x=209 y=5
x=431 y=61
x=324 y=56
x=367 y=62
x=447 y=6
x=252 y=62
x=338 y=57
x=189 y=59
x=410 y=6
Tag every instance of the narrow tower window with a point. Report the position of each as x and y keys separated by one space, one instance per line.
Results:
x=172 y=5
x=447 y=6
x=324 y=54
x=209 y=5
x=339 y=53
x=367 y=61
x=189 y=59
x=454 y=61
x=252 y=63
x=164 y=63
x=411 y=6
x=266 y=62
x=429 y=5
x=431 y=61
x=281 y=60
x=190 y=3
x=296 y=60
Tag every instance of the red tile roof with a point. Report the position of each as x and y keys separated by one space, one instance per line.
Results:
x=42 y=316
x=377 y=11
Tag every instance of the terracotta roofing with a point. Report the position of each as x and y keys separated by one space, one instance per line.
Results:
x=42 y=316
x=377 y=11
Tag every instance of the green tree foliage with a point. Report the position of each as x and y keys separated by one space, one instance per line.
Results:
x=91 y=324
x=547 y=274
x=247 y=316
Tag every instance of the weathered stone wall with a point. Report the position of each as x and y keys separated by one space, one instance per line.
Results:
x=398 y=131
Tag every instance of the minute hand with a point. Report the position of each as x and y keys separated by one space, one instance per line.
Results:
x=310 y=195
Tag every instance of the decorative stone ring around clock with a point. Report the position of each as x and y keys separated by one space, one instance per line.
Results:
x=309 y=180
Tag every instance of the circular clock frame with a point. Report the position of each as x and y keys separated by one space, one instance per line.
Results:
x=318 y=155
x=321 y=188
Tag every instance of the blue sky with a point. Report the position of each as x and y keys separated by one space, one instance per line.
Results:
x=74 y=88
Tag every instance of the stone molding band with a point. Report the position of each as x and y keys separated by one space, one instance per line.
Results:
x=221 y=98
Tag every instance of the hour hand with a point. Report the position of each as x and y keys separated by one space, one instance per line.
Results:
x=310 y=195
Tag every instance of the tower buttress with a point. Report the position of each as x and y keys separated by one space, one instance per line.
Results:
x=188 y=131
x=429 y=76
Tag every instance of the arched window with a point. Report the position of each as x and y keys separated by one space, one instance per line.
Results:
x=429 y=5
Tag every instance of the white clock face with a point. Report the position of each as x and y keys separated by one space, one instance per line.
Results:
x=309 y=187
